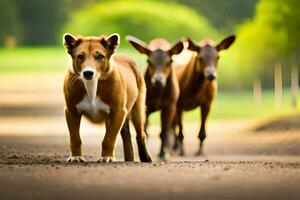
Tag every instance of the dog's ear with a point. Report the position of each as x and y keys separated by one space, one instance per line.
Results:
x=176 y=48
x=111 y=42
x=226 y=43
x=139 y=45
x=69 y=41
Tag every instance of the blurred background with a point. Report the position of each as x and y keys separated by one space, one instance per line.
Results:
x=253 y=131
x=258 y=75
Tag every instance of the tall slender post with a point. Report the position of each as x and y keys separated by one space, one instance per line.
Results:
x=257 y=92
x=278 y=85
x=294 y=86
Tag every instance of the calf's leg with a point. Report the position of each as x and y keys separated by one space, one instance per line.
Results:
x=179 y=139
x=167 y=116
x=147 y=122
x=205 y=108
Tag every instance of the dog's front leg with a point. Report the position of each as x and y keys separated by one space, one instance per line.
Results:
x=73 y=121
x=114 y=124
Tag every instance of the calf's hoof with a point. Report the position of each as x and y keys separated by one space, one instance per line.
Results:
x=164 y=155
x=199 y=152
x=107 y=159
x=74 y=159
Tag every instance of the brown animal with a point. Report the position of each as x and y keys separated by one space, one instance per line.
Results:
x=104 y=88
x=198 y=85
x=161 y=82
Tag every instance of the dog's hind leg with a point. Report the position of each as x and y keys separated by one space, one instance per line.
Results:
x=127 y=144
x=138 y=118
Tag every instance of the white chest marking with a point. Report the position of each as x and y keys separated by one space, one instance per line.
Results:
x=93 y=110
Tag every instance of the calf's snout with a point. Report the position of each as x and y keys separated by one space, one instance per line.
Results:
x=210 y=73
x=158 y=80
x=211 y=77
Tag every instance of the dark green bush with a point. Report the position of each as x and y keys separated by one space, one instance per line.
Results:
x=144 y=19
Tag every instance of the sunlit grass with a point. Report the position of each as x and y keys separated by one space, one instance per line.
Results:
x=240 y=105
x=45 y=59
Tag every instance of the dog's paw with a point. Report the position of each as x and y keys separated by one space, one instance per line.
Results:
x=77 y=159
x=106 y=159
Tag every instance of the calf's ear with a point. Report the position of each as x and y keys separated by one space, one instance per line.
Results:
x=139 y=45
x=69 y=41
x=176 y=48
x=226 y=43
x=192 y=46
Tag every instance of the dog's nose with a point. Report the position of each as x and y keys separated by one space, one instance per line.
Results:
x=88 y=74
x=211 y=77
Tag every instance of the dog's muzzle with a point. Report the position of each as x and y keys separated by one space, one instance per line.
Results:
x=88 y=74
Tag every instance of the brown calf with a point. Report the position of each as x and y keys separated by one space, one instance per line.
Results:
x=104 y=88
x=198 y=85
x=161 y=82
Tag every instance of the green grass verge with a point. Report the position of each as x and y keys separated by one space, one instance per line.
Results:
x=46 y=59
x=228 y=104
x=240 y=105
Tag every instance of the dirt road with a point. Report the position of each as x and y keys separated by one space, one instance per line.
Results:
x=239 y=163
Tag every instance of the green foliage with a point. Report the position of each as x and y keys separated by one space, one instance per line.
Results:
x=224 y=15
x=41 y=20
x=272 y=36
x=144 y=19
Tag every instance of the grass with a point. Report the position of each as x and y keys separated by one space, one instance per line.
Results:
x=43 y=59
x=227 y=105
x=240 y=105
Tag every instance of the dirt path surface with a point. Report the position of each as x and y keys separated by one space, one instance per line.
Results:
x=239 y=162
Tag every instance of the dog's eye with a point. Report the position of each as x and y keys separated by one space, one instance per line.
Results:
x=99 y=57
x=80 y=57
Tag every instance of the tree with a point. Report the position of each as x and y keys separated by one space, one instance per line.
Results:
x=10 y=23
x=224 y=15
x=271 y=37
x=144 y=19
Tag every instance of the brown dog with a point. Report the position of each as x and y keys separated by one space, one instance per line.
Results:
x=104 y=88
x=161 y=82
x=198 y=85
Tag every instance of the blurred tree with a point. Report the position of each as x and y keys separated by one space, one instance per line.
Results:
x=224 y=15
x=144 y=19
x=271 y=37
x=10 y=23
x=41 y=20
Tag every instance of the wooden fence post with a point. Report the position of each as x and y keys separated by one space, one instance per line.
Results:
x=294 y=86
x=278 y=94
x=257 y=92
